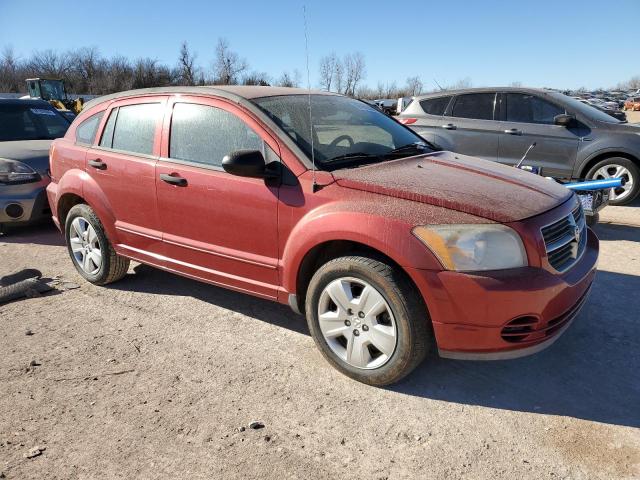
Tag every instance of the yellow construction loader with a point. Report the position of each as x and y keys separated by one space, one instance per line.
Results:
x=53 y=91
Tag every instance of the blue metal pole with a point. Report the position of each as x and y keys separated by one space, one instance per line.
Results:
x=595 y=184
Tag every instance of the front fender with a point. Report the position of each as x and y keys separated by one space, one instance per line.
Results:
x=388 y=235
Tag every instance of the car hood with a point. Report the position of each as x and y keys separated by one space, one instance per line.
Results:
x=34 y=153
x=458 y=182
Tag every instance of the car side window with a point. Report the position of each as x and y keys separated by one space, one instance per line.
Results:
x=205 y=134
x=135 y=128
x=107 y=133
x=86 y=131
x=435 y=106
x=527 y=108
x=479 y=106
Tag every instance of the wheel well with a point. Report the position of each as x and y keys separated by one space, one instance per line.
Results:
x=66 y=202
x=602 y=156
x=324 y=252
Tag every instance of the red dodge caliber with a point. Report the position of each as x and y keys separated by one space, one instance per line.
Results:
x=388 y=246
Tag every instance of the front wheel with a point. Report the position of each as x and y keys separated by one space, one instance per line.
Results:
x=90 y=250
x=618 y=167
x=367 y=319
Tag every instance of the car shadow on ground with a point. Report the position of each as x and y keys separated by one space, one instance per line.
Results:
x=589 y=373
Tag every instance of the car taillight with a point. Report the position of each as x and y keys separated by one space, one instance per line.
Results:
x=408 y=121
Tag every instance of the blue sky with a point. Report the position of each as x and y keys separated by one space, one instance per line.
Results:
x=564 y=44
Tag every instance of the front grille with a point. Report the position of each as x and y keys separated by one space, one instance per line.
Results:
x=565 y=240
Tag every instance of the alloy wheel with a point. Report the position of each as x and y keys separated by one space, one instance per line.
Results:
x=85 y=246
x=357 y=323
x=616 y=171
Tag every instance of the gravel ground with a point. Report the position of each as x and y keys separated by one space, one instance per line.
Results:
x=153 y=377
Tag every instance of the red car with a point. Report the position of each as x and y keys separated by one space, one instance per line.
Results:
x=388 y=246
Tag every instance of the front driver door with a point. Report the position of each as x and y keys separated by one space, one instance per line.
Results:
x=216 y=226
x=529 y=118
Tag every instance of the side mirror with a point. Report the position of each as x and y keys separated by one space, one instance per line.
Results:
x=564 y=120
x=247 y=163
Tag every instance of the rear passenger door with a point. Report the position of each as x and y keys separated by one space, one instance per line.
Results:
x=216 y=226
x=471 y=127
x=529 y=118
x=123 y=166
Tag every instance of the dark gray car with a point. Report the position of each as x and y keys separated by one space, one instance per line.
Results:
x=573 y=140
x=27 y=128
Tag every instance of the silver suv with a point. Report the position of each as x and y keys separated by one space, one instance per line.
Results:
x=573 y=140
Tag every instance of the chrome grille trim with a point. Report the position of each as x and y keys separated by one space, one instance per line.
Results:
x=562 y=247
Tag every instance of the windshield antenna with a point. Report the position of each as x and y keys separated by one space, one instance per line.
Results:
x=315 y=187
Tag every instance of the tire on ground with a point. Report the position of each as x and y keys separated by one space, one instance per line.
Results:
x=414 y=331
x=114 y=267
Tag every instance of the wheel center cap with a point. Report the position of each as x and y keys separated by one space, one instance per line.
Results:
x=356 y=322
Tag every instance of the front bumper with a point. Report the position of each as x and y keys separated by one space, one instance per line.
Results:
x=24 y=204
x=473 y=314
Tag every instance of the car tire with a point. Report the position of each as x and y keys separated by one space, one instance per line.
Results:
x=361 y=346
x=90 y=250
x=630 y=172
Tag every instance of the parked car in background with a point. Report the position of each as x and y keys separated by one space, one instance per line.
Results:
x=632 y=103
x=27 y=128
x=573 y=140
x=386 y=245
x=615 y=113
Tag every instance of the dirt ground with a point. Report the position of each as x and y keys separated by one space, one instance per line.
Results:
x=633 y=117
x=154 y=376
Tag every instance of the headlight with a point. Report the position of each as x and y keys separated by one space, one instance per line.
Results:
x=12 y=171
x=474 y=247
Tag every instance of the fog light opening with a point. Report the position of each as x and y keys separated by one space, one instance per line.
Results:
x=14 y=210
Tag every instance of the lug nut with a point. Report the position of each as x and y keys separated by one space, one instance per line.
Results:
x=347 y=323
x=361 y=314
x=365 y=328
x=349 y=311
x=356 y=333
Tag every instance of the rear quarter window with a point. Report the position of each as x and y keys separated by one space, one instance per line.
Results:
x=86 y=131
x=435 y=106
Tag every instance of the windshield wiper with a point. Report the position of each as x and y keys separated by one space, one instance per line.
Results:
x=352 y=155
x=411 y=147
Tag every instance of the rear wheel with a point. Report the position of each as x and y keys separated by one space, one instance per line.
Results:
x=367 y=319
x=618 y=167
x=90 y=250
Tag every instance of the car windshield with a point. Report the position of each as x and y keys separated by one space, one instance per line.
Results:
x=346 y=132
x=30 y=122
x=586 y=109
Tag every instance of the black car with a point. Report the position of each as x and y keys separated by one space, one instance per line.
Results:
x=27 y=128
x=573 y=140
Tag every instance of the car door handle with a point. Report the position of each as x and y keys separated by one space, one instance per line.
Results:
x=449 y=126
x=97 y=163
x=513 y=131
x=173 y=179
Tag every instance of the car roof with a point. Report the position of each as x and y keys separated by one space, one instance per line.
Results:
x=446 y=93
x=34 y=102
x=232 y=92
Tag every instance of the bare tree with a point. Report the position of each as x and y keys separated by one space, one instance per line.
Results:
x=355 y=70
x=48 y=63
x=289 y=80
x=10 y=71
x=339 y=75
x=462 y=83
x=187 y=70
x=228 y=65
x=256 y=78
x=328 y=65
x=414 y=86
